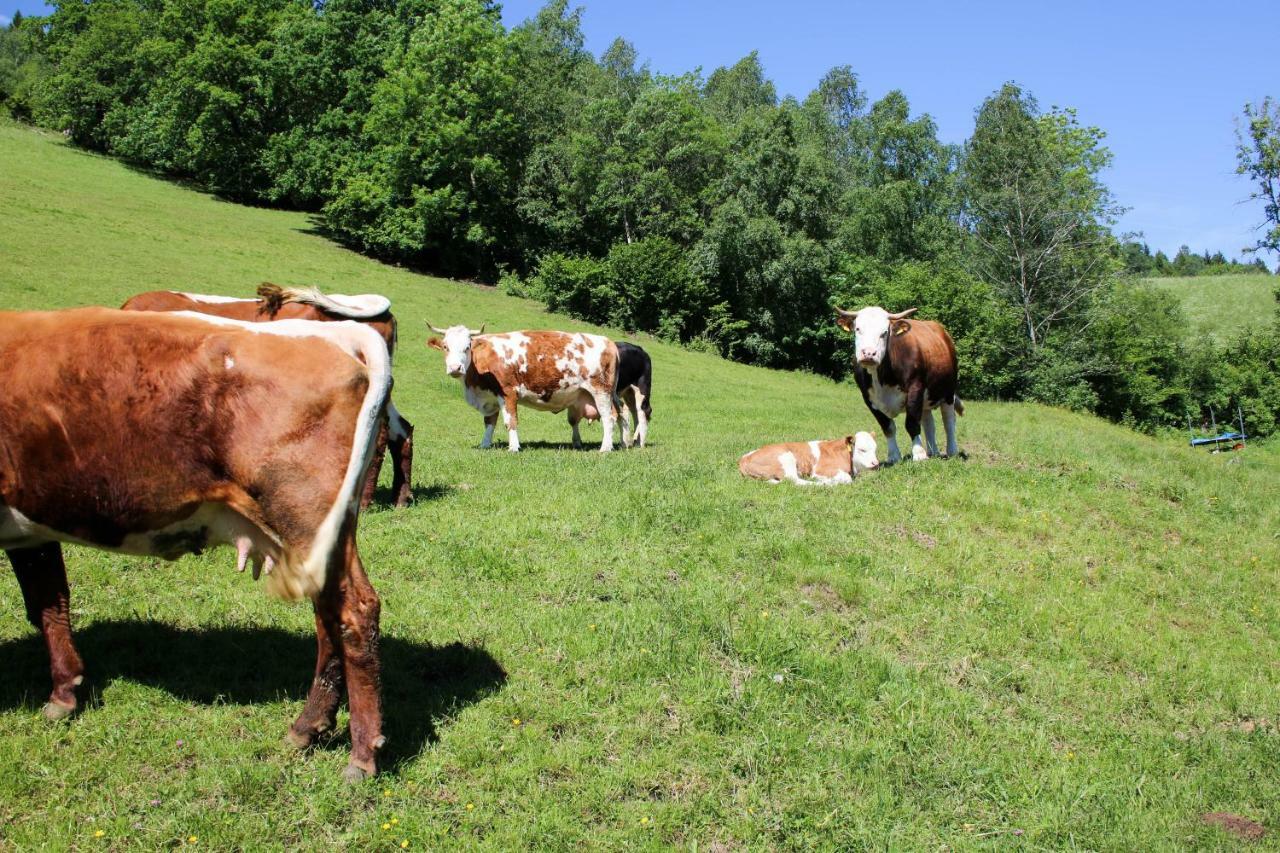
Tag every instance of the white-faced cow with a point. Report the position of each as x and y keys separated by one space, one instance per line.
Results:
x=307 y=303
x=806 y=463
x=635 y=389
x=549 y=371
x=167 y=434
x=905 y=365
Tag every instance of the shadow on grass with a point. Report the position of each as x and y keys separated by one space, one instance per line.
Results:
x=422 y=683
x=383 y=498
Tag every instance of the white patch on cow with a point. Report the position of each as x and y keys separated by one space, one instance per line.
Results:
x=457 y=351
x=787 y=461
x=816 y=451
x=512 y=348
x=862 y=456
x=888 y=399
x=228 y=362
x=300 y=576
x=637 y=411
x=18 y=531
x=211 y=299
x=918 y=453
x=930 y=432
x=949 y=424
x=395 y=423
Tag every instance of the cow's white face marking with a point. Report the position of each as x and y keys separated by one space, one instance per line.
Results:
x=864 y=452
x=871 y=336
x=457 y=351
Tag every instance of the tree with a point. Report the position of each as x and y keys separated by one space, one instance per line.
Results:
x=1258 y=156
x=1037 y=212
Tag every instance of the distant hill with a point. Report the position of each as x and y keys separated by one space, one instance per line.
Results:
x=1223 y=305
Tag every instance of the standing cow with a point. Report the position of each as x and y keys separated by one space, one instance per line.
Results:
x=635 y=389
x=168 y=434
x=905 y=365
x=307 y=303
x=549 y=371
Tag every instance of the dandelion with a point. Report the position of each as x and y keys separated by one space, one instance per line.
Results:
x=386 y=826
x=386 y=792
x=404 y=845
x=98 y=833
x=1070 y=755
x=644 y=821
x=394 y=821
x=764 y=614
x=515 y=721
x=192 y=839
x=591 y=627
x=470 y=806
x=750 y=810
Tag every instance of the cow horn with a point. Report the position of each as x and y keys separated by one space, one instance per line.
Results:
x=902 y=315
x=434 y=329
x=473 y=332
x=846 y=315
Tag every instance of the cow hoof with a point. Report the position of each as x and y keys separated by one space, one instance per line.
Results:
x=54 y=711
x=354 y=773
x=919 y=454
x=300 y=740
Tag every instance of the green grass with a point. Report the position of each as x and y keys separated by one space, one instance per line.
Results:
x=1071 y=639
x=1224 y=305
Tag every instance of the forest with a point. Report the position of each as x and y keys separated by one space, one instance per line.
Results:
x=705 y=209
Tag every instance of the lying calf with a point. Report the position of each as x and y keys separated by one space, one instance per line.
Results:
x=826 y=462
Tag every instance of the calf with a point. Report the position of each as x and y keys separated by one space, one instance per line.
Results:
x=167 y=434
x=307 y=303
x=826 y=462
x=635 y=384
x=905 y=365
x=550 y=371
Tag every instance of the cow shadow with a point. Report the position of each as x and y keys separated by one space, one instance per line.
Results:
x=245 y=665
x=384 y=498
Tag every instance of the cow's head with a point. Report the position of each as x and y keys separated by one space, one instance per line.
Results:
x=455 y=343
x=862 y=449
x=871 y=329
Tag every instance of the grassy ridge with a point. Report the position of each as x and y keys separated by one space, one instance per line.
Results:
x=1224 y=305
x=1071 y=639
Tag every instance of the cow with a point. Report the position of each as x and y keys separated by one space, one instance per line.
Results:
x=167 y=434
x=635 y=389
x=905 y=365
x=825 y=462
x=307 y=303
x=543 y=370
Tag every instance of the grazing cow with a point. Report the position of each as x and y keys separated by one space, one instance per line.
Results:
x=826 y=462
x=543 y=370
x=635 y=389
x=307 y=303
x=167 y=434
x=905 y=365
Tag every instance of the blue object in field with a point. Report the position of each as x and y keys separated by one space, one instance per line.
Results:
x=1226 y=436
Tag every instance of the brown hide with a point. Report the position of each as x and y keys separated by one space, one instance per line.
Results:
x=539 y=375
x=833 y=458
x=262 y=310
x=115 y=424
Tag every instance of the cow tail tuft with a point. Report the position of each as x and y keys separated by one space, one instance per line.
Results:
x=273 y=298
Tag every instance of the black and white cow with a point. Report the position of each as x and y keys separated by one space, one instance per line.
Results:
x=635 y=384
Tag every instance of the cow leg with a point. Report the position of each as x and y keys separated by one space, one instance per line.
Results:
x=949 y=424
x=375 y=466
x=349 y=608
x=320 y=713
x=575 y=416
x=43 y=577
x=915 y=413
x=490 y=421
x=605 y=405
x=401 y=442
x=620 y=414
x=636 y=403
x=930 y=433
x=509 y=419
x=890 y=430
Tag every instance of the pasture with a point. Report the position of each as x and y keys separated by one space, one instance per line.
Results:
x=1070 y=639
x=1223 y=305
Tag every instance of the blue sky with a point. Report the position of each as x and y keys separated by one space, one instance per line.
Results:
x=1164 y=80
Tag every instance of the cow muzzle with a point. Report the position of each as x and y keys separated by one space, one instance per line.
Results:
x=868 y=360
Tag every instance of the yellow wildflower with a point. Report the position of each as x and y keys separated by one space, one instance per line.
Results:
x=98 y=833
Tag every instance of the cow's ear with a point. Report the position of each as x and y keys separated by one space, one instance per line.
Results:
x=901 y=327
x=844 y=322
x=436 y=343
x=848 y=439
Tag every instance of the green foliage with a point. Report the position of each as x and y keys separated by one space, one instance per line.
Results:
x=22 y=66
x=1258 y=156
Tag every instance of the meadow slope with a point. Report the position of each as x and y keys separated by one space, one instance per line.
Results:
x=1071 y=639
x=1223 y=305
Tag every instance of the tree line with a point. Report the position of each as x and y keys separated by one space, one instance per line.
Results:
x=704 y=209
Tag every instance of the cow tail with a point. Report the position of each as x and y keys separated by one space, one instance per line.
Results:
x=958 y=403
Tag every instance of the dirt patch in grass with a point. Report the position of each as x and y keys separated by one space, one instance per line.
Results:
x=824 y=598
x=1234 y=824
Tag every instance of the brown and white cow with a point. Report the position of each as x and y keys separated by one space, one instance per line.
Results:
x=807 y=463
x=635 y=390
x=905 y=365
x=307 y=303
x=543 y=370
x=168 y=434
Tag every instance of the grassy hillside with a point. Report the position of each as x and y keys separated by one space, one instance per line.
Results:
x=1224 y=305
x=1071 y=639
